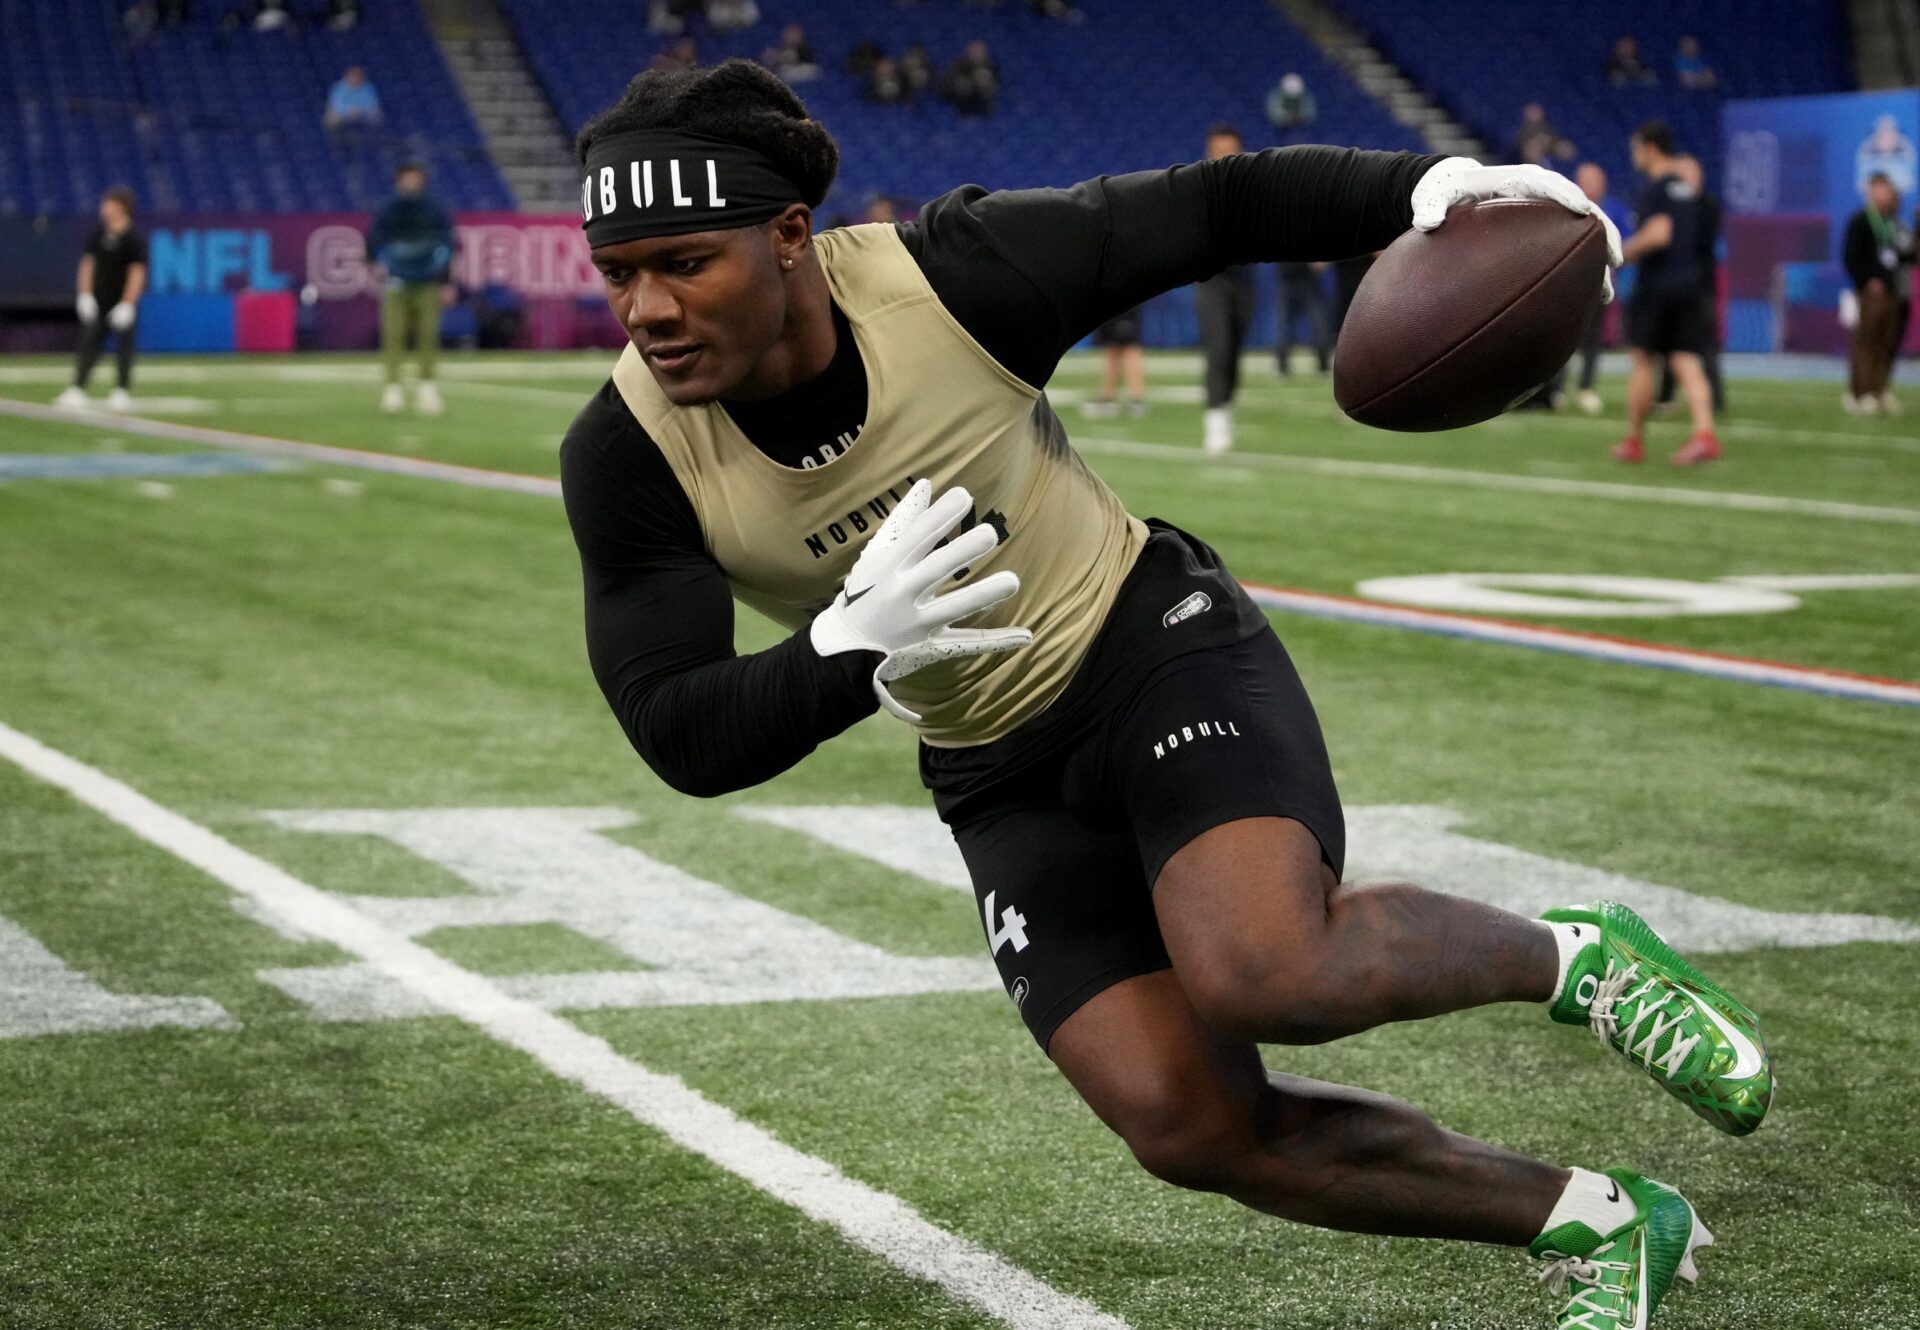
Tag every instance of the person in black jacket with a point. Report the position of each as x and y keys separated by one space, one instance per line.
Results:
x=111 y=280
x=1878 y=252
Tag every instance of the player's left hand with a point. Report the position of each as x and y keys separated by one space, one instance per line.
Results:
x=1463 y=180
x=120 y=317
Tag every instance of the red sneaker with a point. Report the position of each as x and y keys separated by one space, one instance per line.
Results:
x=1630 y=450
x=1700 y=448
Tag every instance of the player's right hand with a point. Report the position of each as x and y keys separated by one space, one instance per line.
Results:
x=891 y=602
x=87 y=307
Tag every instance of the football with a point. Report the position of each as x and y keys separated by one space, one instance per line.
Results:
x=1451 y=327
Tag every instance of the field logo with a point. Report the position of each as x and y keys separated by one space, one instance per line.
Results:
x=691 y=942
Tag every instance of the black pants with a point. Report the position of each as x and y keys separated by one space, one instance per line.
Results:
x=1709 y=361
x=1224 y=306
x=93 y=341
x=1301 y=296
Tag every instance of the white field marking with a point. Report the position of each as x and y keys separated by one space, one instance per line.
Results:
x=1606 y=596
x=1588 y=646
x=1334 y=466
x=346 y=489
x=261 y=444
x=1837 y=683
x=1832 y=582
x=699 y=943
x=911 y=840
x=872 y=1219
x=153 y=489
x=1415 y=843
x=1501 y=480
x=41 y=994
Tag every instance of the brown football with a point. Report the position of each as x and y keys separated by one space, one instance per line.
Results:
x=1453 y=326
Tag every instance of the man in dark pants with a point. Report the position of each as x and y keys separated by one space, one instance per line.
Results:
x=1878 y=253
x=112 y=278
x=1302 y=296
x=1224 y=305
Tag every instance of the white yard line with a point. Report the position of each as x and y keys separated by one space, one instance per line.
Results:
x=881 y=1223
x=1500 y=480
x=1613 y=491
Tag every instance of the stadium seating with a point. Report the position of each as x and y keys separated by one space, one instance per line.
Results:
x=1078 y=99
x=205 y=118
x=1485 y=59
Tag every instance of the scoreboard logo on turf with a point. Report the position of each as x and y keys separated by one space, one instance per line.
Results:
x=603 y=188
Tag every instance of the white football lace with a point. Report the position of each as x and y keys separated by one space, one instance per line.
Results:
x=1603 y=1018
x=1585 y=1312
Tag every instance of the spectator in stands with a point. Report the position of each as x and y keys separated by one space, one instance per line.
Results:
x=728 y=15
x=110 y=282
x=884 y=84
x=1879 y=255
x=173 y=13
x=271 y=14
x=916 y=69
x=668 y=18
x=352 y=103
x=1625 y=66
x=793 y=59
x=1291 y=109
x=343 y=15
x=1059 y=9
x=880 y=208
x=1690 y=68
x=412 y=242
x=863 y=56
x=1535 y=139
x=140 y=19
x=1667 y=313
x=973 y=80
x=1303 y=296
x=684 y=53
x=1223 y=305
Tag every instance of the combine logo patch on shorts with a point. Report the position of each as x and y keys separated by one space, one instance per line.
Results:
x=1019 y=991
x=1186 y=734
x=1198 y=603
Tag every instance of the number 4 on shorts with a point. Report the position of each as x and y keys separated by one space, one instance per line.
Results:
x=1013 y=927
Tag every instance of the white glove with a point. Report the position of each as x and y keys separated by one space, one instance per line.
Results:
x=891 y=601
x=1463 y=180
x=120 y=317
x=86 y=307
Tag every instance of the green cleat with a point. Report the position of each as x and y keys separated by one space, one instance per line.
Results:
x=1616 y=1281
x=1642 y=1000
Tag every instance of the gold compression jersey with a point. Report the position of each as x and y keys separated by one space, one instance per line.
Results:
x=938 y=407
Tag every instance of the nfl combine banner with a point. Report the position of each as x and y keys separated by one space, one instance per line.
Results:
x=287 y=281
x=1796 y=171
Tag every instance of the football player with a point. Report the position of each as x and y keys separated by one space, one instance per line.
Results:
x=848 y=431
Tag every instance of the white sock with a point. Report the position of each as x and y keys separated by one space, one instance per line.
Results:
x=1571 y=939
x=1595 y=1200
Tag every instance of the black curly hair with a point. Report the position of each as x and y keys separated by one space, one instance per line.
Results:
x=737 y=101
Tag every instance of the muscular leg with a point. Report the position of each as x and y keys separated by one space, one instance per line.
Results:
x=1109 y=372
x=1269 y=947
x=1134 y=360
x=1692 y=377
x=1198 y=1110
x=1639 y=392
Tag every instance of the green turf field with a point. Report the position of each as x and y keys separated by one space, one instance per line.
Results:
x=374 y=684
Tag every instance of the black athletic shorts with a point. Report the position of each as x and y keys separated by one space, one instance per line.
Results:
x=1120 y=330
x=1065 y=843
x=1663 y=322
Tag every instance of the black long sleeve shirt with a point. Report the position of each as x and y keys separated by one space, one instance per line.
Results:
x=1027 y=273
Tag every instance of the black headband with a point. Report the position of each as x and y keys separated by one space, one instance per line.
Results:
x=662 y=182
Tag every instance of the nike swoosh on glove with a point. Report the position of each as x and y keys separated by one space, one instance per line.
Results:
x=1462 y=180
x=891 y=602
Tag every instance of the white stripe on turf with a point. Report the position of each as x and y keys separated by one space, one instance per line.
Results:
x=880 y=1223
x=1501 y=480
x=1326 y=466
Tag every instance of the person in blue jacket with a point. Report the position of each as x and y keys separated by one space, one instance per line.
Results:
x=412 y=244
